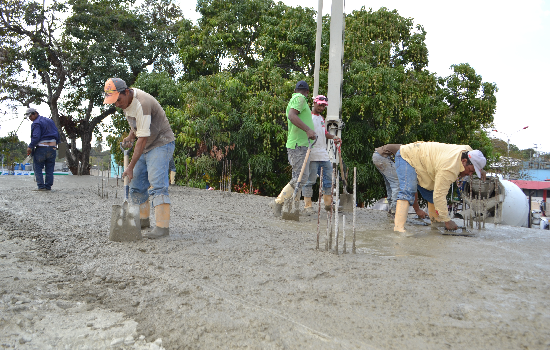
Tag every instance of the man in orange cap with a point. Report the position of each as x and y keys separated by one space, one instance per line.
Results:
x=153 y=150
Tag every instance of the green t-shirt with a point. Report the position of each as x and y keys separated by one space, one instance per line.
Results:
x=297 y=136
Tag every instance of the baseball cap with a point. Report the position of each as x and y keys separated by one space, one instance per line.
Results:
x=321 y=100
x=302 y=85
x=29 y=111
x=478 y=160
x=113 y=87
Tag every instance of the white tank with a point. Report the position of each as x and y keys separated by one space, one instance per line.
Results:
x=515 y=207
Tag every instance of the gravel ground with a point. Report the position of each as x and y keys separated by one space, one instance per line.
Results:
x=231 y=276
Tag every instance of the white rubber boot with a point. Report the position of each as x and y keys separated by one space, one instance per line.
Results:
x=144 y=213
x=308 y=206
x=277 y=204
x=401 y=213
x=162 y=219
x=327 y=199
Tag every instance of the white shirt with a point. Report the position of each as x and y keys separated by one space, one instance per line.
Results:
x=138 y=120
x=319 y=150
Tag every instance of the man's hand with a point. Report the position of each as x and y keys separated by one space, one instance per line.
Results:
x=421 y=214
x=128 y=172
x=29 y=151
x=311 y=134
x=337 y=140
x=127 y=142
x=450 y=225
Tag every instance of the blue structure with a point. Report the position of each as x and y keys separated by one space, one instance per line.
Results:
x=116 y=170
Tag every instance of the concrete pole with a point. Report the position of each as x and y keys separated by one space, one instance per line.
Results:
x=318 y=48
x=335 y=75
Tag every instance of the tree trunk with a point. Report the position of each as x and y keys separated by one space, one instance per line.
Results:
x=86 y=139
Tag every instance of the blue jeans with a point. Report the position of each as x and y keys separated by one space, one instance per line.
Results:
x=150 y=171
x=408 y=182
x=386 y=167
x=44 y=157
x=314 y=168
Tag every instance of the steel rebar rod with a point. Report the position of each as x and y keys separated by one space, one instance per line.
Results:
x=353 y=250
x=463 y=208
x=484 y=211
x=478 y=204
x=331 y=208
x=471 y=218
x=497 y=182
x=327 y=238
x=250 y=178
x=337 y=189
x=319 y=210
x=344 y=234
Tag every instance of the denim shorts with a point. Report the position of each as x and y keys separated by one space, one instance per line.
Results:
x=408 y=182
x=150 y=171
x=314 y=169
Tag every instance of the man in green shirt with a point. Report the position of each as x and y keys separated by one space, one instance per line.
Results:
x=300 y=129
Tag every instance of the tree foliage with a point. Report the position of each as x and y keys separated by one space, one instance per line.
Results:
x=243 y=59
x=241 y=62
x=239 y=35
x=63 y=53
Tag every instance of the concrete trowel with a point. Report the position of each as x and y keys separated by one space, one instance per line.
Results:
x=289 y=211
x=346 y=199
x=125 y=222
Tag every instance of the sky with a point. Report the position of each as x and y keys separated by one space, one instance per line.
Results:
x=507 y=43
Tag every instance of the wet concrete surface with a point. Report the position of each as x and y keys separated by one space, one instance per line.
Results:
x=230 y=276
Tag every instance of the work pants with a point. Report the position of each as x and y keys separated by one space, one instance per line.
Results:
x=44 y=157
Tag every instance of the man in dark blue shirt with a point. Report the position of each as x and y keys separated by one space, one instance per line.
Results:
x=43 y=146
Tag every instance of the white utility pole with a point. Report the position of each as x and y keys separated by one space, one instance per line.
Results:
x=334 y=122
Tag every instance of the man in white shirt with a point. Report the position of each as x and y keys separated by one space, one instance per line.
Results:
x=318 y=157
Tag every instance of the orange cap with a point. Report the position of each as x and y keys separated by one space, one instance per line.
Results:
x=113 y=87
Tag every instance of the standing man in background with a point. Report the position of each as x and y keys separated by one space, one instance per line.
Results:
x=43 y=146
x=153 y=150
x=318 y=157
x=300 y=129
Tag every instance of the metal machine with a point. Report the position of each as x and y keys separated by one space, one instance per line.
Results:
x=494 y=201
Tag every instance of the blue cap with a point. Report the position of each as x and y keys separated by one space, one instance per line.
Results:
x=302 y=85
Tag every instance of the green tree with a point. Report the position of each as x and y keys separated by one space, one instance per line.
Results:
x=62 y=54
x=12 y=149
x=239 y=35
x=389 y=96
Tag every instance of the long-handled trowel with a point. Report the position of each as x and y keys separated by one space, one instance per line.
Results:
x=290 y=212
x=125 y=222
x=346 y=199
